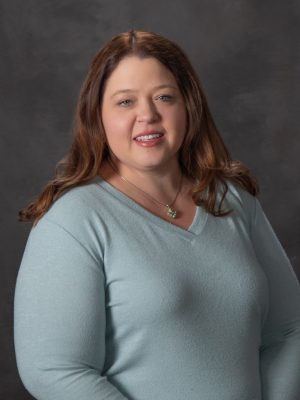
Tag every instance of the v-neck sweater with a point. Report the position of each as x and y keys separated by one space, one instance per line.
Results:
x=113 y=302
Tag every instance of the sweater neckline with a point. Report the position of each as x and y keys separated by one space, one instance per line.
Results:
x=196 y=227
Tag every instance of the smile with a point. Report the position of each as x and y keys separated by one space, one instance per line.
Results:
x=148 y=137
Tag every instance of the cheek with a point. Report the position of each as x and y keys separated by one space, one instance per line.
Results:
x=115 y=124
x=178 y=119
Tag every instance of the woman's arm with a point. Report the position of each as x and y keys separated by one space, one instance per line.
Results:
x=280 y=345
x=59 y=319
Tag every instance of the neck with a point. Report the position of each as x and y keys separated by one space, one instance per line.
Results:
x=161 y=183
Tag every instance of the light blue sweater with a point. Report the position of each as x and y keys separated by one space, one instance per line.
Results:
x=113 y=303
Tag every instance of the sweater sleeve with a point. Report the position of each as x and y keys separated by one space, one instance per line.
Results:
x=59 y=318
x=280 y=340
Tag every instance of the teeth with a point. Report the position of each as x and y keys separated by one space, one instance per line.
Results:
x=148 y=137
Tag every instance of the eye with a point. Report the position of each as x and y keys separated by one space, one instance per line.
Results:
x=166 y=97
x=124 y=103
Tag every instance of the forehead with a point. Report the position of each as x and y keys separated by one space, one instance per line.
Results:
x=133 y=70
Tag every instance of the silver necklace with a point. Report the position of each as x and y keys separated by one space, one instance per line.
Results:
x=170 y=211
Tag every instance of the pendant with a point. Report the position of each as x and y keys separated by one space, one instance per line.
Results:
x=171 y=213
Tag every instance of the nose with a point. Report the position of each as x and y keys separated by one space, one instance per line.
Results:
x=147 y=112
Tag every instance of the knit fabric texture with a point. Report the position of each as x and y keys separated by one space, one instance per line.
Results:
x=113 y=302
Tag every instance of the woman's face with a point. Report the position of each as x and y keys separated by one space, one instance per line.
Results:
x=134 y=101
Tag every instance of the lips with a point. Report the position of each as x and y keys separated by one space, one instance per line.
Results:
x=152 y=132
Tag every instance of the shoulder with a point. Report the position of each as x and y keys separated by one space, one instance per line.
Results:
x=238 y=194
x=240 y=201
x=75 y=203
x=77 y=212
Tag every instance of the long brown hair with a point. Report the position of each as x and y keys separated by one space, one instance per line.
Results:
x=203 y=155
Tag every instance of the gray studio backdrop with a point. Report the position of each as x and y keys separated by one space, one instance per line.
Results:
x=247 y=56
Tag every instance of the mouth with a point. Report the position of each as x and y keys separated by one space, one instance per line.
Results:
x=145 y=136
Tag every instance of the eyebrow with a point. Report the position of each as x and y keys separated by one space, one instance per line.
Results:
x=132 y=90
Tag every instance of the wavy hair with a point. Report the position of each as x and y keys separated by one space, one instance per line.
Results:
x=203 y=156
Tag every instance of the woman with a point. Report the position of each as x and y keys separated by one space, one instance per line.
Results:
x=151 y=271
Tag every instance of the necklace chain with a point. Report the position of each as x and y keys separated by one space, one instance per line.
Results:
x=170 y=211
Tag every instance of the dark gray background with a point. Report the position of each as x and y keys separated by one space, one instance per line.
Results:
x=246 y=54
